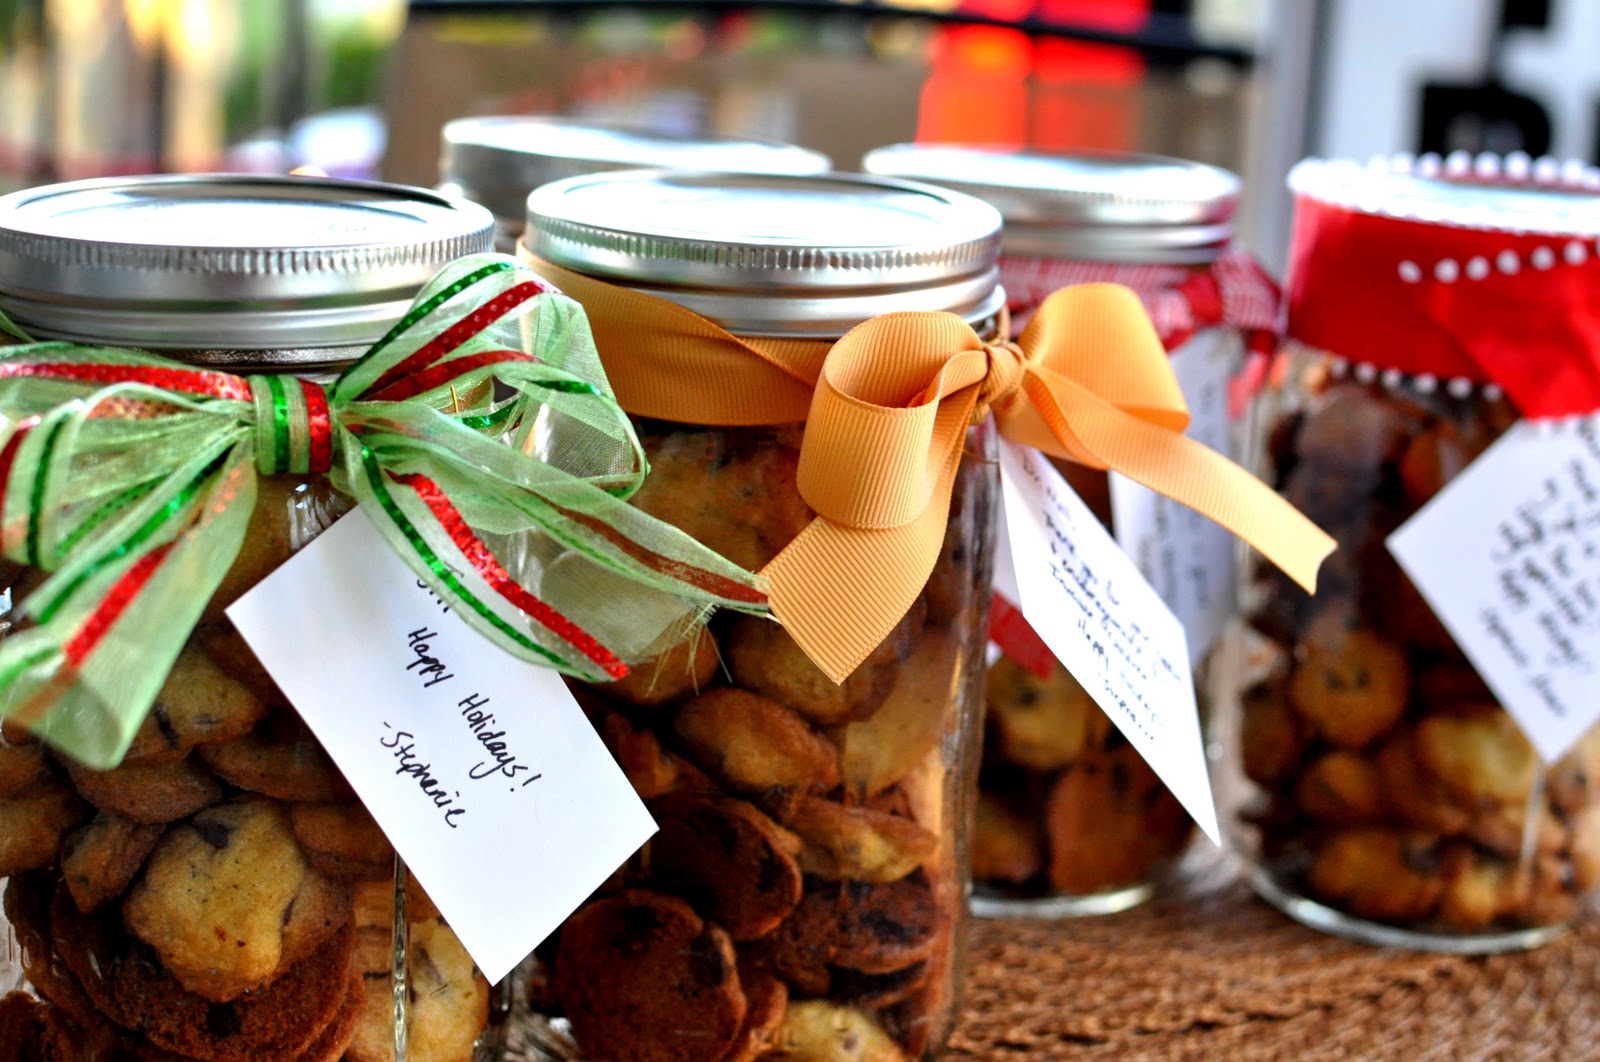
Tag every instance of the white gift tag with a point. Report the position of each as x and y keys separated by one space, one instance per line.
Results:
x=1106 y=625
x=481 y=769
x=1188 y=558
x=1508 y=555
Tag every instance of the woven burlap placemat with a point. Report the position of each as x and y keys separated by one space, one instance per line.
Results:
x=1207 y=972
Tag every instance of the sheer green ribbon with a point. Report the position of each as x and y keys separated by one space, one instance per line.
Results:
x=130 y=479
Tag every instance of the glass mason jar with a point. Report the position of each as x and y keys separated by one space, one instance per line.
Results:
x=1071 y=820
x=221 y=894
x=1387 y=795
x=497 y=160
x=805 y=898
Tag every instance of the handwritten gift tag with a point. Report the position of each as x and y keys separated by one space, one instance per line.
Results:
x=481 y=769
x=1508 y=555
x=1098 y=614
x=1187 y=557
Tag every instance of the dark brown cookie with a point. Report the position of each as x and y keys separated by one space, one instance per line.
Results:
x=100 y=860
x=156 y=793
x=735 y=865
x=23 y=767
x=752 y=744
x=1342 y=789
x=642 y=978
x=229 y=903
x=651 y=769
x=1007 y=841
x=1378 y=873
x=329 y=1046
x=290 y=511
x=767 y=1002
x=871 y=929
x=21 y=1027
x=198 y=703
x=342 y=841
x=1111 y=823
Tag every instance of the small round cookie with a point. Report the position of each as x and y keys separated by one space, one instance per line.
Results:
x=752 y=744
x=1373 y=873
x=884 y=928
x=1042 y=723
x=1480 y=756
x=816 y=1030
x=21 y=1027
x=676 y=675
x=31 y=827
x=155 y=793
x=736 y=866
x=1412 y=793
x=342 y=841
x=229 y=903
x=1573 y=782
x=1110 y=823
x=1349 y=685
x=642 y=978
x=1271 y=737
x=449 y=997
x=99 y=861
x=732 y=490
x=1583 y=848
x=1436 y=456
x=329 y=1046
x=762 y=658
x=280 y=759
x=1007 y=843
x=854 y=842
x=1342 y=789
x=227 y=648
x=877 y=752
x=1479 y=889
x=199 y=703
x=877 y=991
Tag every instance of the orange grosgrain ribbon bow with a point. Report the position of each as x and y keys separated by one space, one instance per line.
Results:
x=887 y=408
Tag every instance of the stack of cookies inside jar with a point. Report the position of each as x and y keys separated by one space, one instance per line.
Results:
x=1393 y=797
x=1070 y=818
x=805 y=896
x=220 y=894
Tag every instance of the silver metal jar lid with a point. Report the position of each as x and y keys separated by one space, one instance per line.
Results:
x=498 y=160
x=292 y=265
x=775 y=256
x=1095 y=207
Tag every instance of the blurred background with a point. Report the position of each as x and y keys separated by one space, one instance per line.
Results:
x=361 y=87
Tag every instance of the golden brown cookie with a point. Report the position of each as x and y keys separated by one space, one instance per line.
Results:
x=763 y=658
x=1349 y=685
x=100 y=860
x=752 y=744
x=1007 y=842
x=733 y=491
x=199 y=703
x=735 y=865
x=816 y=1030
x=229 y=903
x=1342 y=789
x=1504 y=829
x=1583 y=848
x=1436 y=456
x=642 y=978
x=31 y=827
x=910 y=724
x=1480 y=757
x=1042 y=723
x=686 y=669
x=1478 y=888
x=156 y=793
x=1412 y=793
x=342 y=841
x=1110 y=823
x=449 y=997
x=855 y=842
x=280 y=759
x=1378 y=873
x=1573 y=781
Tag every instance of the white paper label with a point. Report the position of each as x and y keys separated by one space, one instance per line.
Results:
x=1508 y=555
x=1187 y=557
x=1106 y=624
x=481 y=769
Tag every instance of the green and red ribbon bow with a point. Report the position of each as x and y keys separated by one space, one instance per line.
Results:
x=131 y=478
